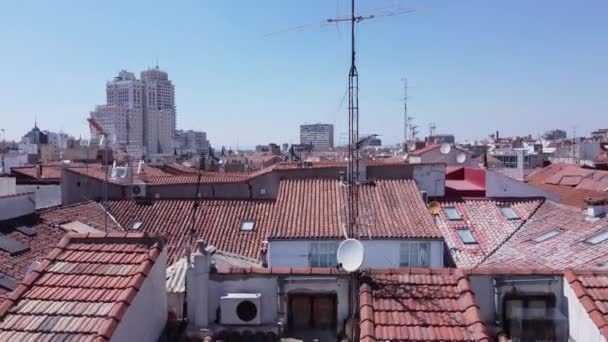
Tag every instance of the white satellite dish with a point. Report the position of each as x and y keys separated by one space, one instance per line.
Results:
x=405 y=156
x=445 y=148
x=461 y=157
x=350 y=255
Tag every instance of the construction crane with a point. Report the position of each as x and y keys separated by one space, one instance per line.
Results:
x=104 y=140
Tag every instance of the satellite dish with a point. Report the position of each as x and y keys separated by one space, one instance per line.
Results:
x=435 y=207
x=461 y=157
x=350 y=255
x=445 y=148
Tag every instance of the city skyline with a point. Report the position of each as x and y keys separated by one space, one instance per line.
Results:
x=519 y=65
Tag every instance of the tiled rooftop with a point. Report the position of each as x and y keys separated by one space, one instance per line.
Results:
x=566 y=249
x=591 y=290
x=81 y=290
x=485 y=222
x=572 y=183
x=217 y=222
x=304 y=209
x=317 y=208
x=47 y=233
x=419 y=305
x=50 y=172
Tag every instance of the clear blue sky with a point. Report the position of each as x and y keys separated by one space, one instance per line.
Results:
x=474 y=66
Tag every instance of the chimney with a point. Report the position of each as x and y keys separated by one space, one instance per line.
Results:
x=521 y=155
x=596 y=207
x=38 y=170
x=497 y=135
x=197 y=286
x=264 y=253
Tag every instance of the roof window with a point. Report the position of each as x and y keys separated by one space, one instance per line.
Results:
x=466 y=236
x=137 y=225
x=548 y=235
x=29 y=231
x=509 y=213
x=13 y=247
x=247 y=225
x=598 y=238
x=452 y=214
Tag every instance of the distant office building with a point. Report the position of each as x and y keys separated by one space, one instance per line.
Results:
x=190 y=141
x=375 y=142
x=140 y=114
x=35 y=137
x=59 y=140
x=159 y=111
x=123 y=125
x=441 y=139
x=320 y=136
x=600 y=134
x=556 y=134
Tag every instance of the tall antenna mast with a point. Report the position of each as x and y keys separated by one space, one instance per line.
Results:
x=353 y=124
x=405 y=118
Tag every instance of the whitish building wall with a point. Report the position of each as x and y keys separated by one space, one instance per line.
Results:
x=498 y=185
x=581 y=326
x=378 y=253
x=146 y=317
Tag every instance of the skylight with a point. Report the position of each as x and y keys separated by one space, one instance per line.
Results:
x=509 y=213
x=29 y=231
x=598 y=238
x=452 y=213
x=247 y=225
x=548 y=235
x=466 y=236
x=137 y=225
x=11 y=246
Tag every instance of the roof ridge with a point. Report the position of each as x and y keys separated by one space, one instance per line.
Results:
x=471 y=310
x=111 y=319
x=587 y=302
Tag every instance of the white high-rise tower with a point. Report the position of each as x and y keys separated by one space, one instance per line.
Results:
x=139 y=115
x=159 y=109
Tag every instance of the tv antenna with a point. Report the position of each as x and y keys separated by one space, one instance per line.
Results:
x=405 y=118
x=103 y=141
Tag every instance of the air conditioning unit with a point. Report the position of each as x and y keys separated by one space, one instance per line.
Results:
x=241 y=309
x=138 y=190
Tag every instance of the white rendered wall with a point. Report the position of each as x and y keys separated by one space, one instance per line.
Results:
x=582 y=327
x=378 y=253
x=146 y=317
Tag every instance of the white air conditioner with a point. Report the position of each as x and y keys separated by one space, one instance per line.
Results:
x=241 y=309
x=138 y=190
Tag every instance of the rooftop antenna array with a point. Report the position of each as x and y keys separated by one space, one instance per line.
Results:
x=103 y=141
x=405 y=118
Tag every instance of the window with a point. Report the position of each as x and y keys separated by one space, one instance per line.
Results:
x=452 y=213
x=322 y=254
x=598 y=238
x=509 y=213
x=137 y=225
x=247 y=225
x=414 y=254
x=466 y=236
x=548 y=235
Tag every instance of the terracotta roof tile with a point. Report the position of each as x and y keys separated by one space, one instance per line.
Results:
x=568 y=249
x=573 y=184
x=485 y=222
x=310 y=208
x=419 y=305
x=591 y=288
x=79 y=293
x=48 y=233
